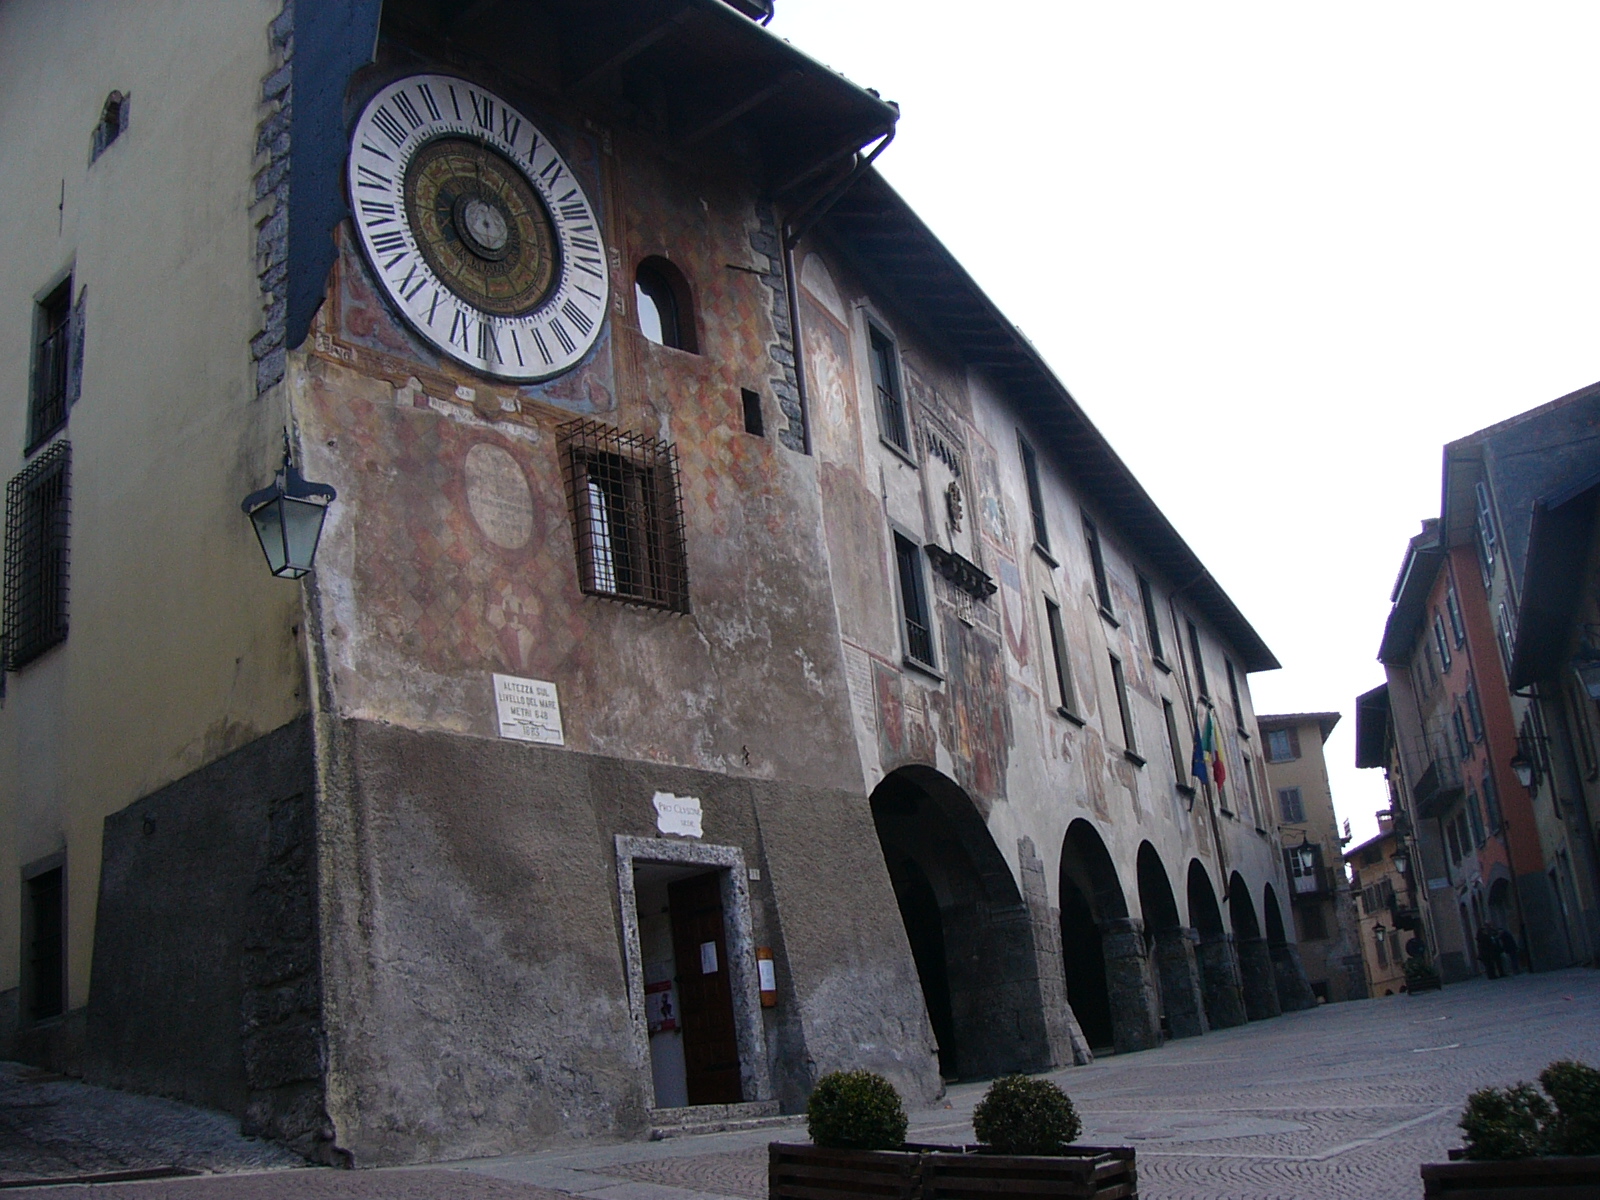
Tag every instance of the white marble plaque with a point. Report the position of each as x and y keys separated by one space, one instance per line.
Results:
x=677 y=814
x=529 y=709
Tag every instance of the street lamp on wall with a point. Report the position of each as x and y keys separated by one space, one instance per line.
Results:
x=1522 y=767
x=1587 y=664
x=288 y=516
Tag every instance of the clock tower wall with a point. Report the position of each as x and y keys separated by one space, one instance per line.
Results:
x=466 y=872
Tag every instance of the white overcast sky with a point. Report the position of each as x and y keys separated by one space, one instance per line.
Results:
x=1280 y=252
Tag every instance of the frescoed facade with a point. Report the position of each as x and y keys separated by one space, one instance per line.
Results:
x=731 y=654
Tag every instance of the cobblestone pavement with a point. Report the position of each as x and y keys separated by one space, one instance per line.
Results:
x=1341 y=1102
x=1344 y=1101
x=51 y=1127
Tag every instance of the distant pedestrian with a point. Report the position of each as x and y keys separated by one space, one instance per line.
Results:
x=1508 y=943
x=1489 y=951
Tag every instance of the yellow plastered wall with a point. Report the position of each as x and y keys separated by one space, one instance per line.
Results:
x=181 y=646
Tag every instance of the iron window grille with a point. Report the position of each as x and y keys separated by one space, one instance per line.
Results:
x=914 y=602
x=626 y=501
x=47 y=407
x=36 y=557
x=886 y=382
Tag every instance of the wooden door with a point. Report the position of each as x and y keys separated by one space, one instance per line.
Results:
x=705 y=994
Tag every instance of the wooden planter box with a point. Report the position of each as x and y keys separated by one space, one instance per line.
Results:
x=929 y=1172
x=1521 y=1179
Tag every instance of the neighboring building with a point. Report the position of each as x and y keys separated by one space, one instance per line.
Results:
x=1501 y=830
x=1319 y=889
x=1504 y=484
x=731 y=656
x=1387 y=925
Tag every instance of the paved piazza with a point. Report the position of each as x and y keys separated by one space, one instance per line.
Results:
x=1343 y=1101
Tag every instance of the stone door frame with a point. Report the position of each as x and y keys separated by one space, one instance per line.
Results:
x=755 y=1077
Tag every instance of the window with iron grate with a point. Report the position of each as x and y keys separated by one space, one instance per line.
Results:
x=627 y=515
x=37 y=508
x=914 y=601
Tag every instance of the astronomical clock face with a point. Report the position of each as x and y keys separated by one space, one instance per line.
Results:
x=477 y=228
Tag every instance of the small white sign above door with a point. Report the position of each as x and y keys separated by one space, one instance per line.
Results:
x=677 y=814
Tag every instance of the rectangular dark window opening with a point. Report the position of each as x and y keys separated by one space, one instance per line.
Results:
x=1291 y=806
x=47 y=402
x=1097 y=560
x=1199 y=663
x=44 y=950
x=1474 y=712
x=1233 y=694
x=886 y=382
x=753 y=422
x=1441 y=642
x=1152 y=625
x=914 y=601
x=1058 y=652
x=1180 y=765
x=1030 y=468
x=36 y=557
x=1458 y=627
x=627 y=515
x=1120 y=683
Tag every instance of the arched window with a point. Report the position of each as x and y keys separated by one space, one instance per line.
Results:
x=661 y=297
x=113 y=120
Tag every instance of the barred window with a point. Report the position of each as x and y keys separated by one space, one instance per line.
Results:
x=627 y=515
x=52 y=352
x=914 y=601
x=886 y=382
x=37 y=503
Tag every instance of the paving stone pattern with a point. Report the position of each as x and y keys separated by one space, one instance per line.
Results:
x=1346 y=1100
x=1343 y=1101
x=52 y=1127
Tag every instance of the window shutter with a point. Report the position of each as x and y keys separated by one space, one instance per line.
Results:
x=75 y=348
x=1294 y=742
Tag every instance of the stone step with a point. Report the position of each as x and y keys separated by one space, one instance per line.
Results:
x=717 y=1118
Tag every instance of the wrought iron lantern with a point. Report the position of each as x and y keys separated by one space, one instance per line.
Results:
x=288 y=516
x=1522 y=767
x=1587 y=664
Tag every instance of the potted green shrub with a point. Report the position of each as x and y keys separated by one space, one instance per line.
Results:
x=1520 y=1143
x=1421 y=976
x=1028 y=1129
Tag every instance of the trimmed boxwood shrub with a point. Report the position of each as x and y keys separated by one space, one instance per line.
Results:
x=856 y=1110
x=1505 y=1123
x=1575 y=1128
x=1019 y=1115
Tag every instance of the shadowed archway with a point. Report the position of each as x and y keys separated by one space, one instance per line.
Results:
x=1219 y=968
x=1171 y=948
x=1102 y=949
x=969 y=930
x=1289 y=973
x=1255 y=960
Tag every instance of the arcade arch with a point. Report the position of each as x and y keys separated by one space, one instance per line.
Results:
x=1219 y=969
x=1294 y=990
x=1103 y=953
x=1177 y=976
x=1255 y=961
x=969 y=930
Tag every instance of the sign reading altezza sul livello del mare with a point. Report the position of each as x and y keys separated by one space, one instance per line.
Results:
x=677 y=814
x=529 y=710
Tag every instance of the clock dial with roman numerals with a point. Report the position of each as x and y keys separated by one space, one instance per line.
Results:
x=477 y=229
